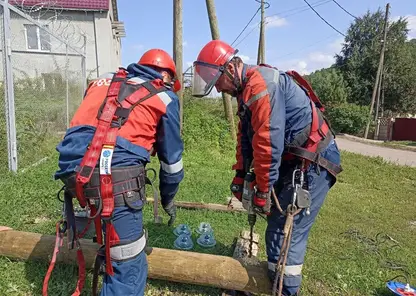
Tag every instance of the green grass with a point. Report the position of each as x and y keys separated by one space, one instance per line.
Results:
x=406 y=145
x=370 y=197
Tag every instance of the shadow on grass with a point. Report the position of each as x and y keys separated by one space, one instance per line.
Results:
x=158 y=287
x=382 y=292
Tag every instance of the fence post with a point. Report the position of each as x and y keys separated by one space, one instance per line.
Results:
x=8 y=89
x=67 y=86
x=84 y=67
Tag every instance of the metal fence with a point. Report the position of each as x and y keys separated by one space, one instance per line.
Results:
x=43 y=79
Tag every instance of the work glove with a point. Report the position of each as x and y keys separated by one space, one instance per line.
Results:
x=262 y=202
x=170 y=209
x=237 y=185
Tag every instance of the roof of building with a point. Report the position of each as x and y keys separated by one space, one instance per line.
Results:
x=65 y=4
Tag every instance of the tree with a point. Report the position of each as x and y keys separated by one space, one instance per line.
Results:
x=333 y=92
x=359 y=58
x=330 y=86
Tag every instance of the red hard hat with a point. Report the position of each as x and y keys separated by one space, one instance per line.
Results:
x=216 y=52
x=158 y=58
x=210 y=65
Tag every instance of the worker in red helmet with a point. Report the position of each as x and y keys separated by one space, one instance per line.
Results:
x=125 y=118
x=284 y=140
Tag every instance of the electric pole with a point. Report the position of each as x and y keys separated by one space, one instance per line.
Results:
x=177 y=51
x=380 y=85
x=261 y=55
x=228 y=109
x=379 y=70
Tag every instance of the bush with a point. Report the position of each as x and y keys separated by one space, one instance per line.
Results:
x=348 y=118
x=329 y=86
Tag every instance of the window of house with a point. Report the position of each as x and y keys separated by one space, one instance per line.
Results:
x=37 y=39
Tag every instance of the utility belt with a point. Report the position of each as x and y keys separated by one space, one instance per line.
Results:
x=128 y=187
x=296 y=151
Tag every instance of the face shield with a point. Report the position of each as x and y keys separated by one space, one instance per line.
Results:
x=205 y=76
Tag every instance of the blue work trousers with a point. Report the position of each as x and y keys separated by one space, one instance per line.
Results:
x=129 y=276
x=319 y=182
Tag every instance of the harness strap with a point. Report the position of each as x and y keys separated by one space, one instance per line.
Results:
x=306 y=87
x=58 y=243
x=104 y=140
x=90 y=158
x=80 y=258
x=331 y=167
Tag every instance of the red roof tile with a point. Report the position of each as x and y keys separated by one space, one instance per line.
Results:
x=68 y=4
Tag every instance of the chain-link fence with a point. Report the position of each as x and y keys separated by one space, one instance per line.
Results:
x=47 y=81
x=3 y=106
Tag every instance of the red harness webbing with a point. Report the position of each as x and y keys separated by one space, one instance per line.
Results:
x=104 y=136
x=318 y=129
x=81 y=264
x=103 y=144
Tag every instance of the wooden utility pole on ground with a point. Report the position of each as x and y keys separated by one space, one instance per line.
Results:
x=189 y=267
x=177 y=51
x=228 y=109
x=261 y=53
x=379 y=70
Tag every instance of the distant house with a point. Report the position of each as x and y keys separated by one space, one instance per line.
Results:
x=93 y=23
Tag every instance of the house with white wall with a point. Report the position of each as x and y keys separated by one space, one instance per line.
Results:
x=91 y=27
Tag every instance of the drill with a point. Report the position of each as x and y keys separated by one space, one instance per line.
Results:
x=248 y=204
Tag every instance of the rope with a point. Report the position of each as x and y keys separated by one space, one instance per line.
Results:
x=290 y=213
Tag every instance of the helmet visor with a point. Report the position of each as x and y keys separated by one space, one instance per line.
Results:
x=205 y=76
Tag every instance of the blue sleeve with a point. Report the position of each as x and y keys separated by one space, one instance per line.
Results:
x=244 y=151
x=169 y=147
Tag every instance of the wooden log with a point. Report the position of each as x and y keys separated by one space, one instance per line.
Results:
x=235 y=205
x=164 y=264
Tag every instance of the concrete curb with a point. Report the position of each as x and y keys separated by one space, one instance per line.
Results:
x=376 y=142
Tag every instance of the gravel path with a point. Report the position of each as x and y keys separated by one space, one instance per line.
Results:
x=400 y=157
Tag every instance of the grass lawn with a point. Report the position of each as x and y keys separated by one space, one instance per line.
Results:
x=407 y=145
x=344 y=257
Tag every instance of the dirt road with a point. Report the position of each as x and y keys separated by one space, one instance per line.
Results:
x=401 y=157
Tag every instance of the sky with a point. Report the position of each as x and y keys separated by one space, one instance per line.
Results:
x=296 y=38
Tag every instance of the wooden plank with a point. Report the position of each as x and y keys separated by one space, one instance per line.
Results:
x=164 y=264
x=235 y=206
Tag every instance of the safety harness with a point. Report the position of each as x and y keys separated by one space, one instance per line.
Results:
x=96 y=188
x=309 y=142
x=306 y=147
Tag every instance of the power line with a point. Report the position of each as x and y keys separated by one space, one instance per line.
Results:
x=296 y=11
x=249 y=22
x=317 y=13
x=339 y=5
x=300 y=9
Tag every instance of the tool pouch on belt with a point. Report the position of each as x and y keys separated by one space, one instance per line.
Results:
x=128 y=187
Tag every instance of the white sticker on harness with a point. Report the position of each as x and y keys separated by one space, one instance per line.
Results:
x=105 y=160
